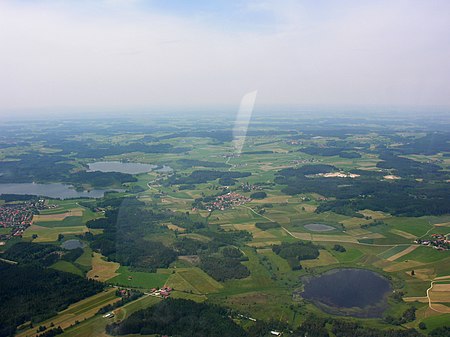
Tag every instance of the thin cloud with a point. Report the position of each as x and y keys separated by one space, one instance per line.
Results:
x=122 y=55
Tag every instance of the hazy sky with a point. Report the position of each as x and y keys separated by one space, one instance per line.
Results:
x=130 y=54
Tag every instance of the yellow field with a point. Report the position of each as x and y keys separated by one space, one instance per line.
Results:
x=403 y=234
x=324 y=259
x=441 y=287
x=256 y=232
x=375 y=215
x=193 y=279
x=104 y=270
x=358 y=232
x=445 y=224
x=302 y=236
x=425 y=274
x=50 y=234
x=410 y=264
x=175 y=228
x=263 y=243
x=402 y=253
x=420 y=299
x=58 y=217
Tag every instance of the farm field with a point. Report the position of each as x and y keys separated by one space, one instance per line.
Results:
x=143 y=280
x=246 y=231
x=78 y=312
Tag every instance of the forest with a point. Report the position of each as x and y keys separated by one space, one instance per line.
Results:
x=30 y=292
x=407 y=197
x=178 y=317
x=295 y=252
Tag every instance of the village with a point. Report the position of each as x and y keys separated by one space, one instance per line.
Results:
x=437 y=241
x=225 y=201
x=18 y=217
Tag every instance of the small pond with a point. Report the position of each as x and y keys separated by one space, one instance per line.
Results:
x=318 y=227
x=72 y=244
x=55 y=190
x=347 y=291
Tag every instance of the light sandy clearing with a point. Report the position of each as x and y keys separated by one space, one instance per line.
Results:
x=103 y=269
x=58 y=217
x=402 y=253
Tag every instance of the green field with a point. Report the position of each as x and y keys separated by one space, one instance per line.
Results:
x=70 y=221
x=67 y=267
x=193 y=280
x=135 y=279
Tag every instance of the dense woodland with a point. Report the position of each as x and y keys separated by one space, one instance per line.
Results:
x=188 y=318
x=295 y=252
x=30 y=292
x=407 y=197
x=181 y=318
x=203 y=176
x=40 y=254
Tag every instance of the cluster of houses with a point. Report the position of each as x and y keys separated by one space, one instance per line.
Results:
x=18 y=217
x=164 y=292
x=437 y=241
x=231 y=199
x=246 y=187
x=305 y=161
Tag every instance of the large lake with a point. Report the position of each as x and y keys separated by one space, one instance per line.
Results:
x=352 y=292
x=117 y=166
x=130 y=168
x=55 y=190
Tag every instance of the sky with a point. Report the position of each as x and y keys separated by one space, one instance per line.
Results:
x=125 y=54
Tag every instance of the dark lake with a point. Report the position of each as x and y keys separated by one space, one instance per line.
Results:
x=55 y=190
x=352 y=292
x=72 y=244
x=318 y=227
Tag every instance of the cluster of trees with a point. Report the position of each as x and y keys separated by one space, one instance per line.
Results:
x=296 y=252
x=40 y=254
x=43 y=255
x=123 y=238
x=408 y=168
x=52 y=332
x=203 y=176
x=72 y=255
x=267 y=225
x=373 y=224
x=339 y=248
x=17 y=197
x=90 y=149
x=258 y=195
x=408 y=315
x=99 y=179
x=187 y=246
x=431 y=143
x=127 y=232
x=30 y=292
x=343 y=328
x=178 y=317
x=223 y=268
x=342 y=152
